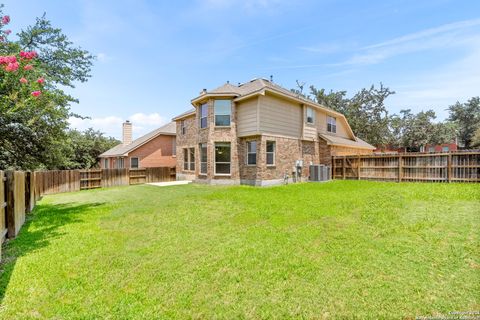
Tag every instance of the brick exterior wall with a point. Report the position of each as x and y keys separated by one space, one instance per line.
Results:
x=158 y=152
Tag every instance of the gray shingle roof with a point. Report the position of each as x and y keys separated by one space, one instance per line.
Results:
x=168 y=129
x=339 y=141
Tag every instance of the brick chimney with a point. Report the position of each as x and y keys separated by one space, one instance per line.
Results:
x=127 y=133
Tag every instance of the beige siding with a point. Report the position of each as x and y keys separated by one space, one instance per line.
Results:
x=247 y=112
x=310 y=132
x=281 y=117
x=322 y=125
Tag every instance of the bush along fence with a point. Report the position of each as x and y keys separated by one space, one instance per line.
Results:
x=422 y=167
x=20 y=190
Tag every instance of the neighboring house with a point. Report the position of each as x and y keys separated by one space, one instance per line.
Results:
x=255 y=132
x=155 y=149
x=444 y=147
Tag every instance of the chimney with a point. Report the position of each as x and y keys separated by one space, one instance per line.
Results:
x=127 y=133
x=204 y=91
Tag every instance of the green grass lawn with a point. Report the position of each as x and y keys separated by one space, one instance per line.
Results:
x=344 y=249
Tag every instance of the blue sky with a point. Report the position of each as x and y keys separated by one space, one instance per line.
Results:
x=154 y=56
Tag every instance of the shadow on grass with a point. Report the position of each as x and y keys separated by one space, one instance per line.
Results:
x=40 y=228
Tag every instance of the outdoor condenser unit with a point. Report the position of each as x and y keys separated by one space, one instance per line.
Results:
x=319 y=172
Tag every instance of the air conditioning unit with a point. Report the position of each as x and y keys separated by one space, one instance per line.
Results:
x=319 y=172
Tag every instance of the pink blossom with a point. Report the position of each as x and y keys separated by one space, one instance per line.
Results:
x=41 y=80
x=36 y=93
x=8 y=31
x=5 y=19
x=28 y=67
x=23 y=80
x=28 y=54
x=13 y=66
x=7 y=59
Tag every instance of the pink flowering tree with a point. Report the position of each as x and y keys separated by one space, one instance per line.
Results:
x=34 y=109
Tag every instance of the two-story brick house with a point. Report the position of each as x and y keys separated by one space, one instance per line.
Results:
x=255 y=132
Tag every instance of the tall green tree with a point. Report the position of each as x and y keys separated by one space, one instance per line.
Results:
x=33 y=128
x=467 y=118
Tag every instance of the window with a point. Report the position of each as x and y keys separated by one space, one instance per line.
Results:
x=222 y=158
x=223 y=111
x=120 y=163
x=310 y=115
x=331 y=124
x=270 y=153
x=203 y=115
x=105 y=163
x=203 y=158
x=192 y=159
x=183 y=128
x=445 y=149
x=134 y=163
x=189 y=159
x=251 y=152
x=185 y=159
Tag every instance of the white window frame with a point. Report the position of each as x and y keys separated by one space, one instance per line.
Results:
x=203 y=147
x=312 y=111
x=270 y=152
x=186 y=164
x=205 y=105
x=138 y=162
x=183 y=128
x=215 y=159
x=216 y=113
x=249 y=152
x=106 y=163
x=331 y=124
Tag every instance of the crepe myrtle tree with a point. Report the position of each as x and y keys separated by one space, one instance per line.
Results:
x=34 y=110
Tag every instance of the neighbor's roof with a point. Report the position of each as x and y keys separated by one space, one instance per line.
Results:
x=344 y=142
x=121 y=150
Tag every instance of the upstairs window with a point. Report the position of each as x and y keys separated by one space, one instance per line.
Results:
x=310 y=115
x=331 y=124
x=270 y=153
x=203 y=115
x=183 y=127
x=223 y=112
x=251 y=152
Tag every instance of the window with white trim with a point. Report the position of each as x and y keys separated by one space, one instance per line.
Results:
x=203 y=115
x=331 y=124
x=270 y=153
x=203 y=158
x=185 y=159
x=120 y=163
x=189 y=159
x=105 y=163
x=183 y=128
x=222 y=158
x=134 y=163
x=223 y=112
x=252 y=152
x=310 y=115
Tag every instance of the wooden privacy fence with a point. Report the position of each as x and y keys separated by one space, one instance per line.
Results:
x=59 y=181
x=433 y=167
x=19 y=191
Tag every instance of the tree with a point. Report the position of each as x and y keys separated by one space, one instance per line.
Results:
x=34 y=113
x=476 y=139
x=467 y=118
x=365 y=111
x=85 y=147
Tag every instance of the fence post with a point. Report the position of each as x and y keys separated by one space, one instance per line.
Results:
x=449 y=167
x=10 y=192
x=344 y=164
x=400 y=168
x=359 y=165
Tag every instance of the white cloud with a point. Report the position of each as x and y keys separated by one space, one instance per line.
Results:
x=445 y=36
x=102 y=57
x=112 y=125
